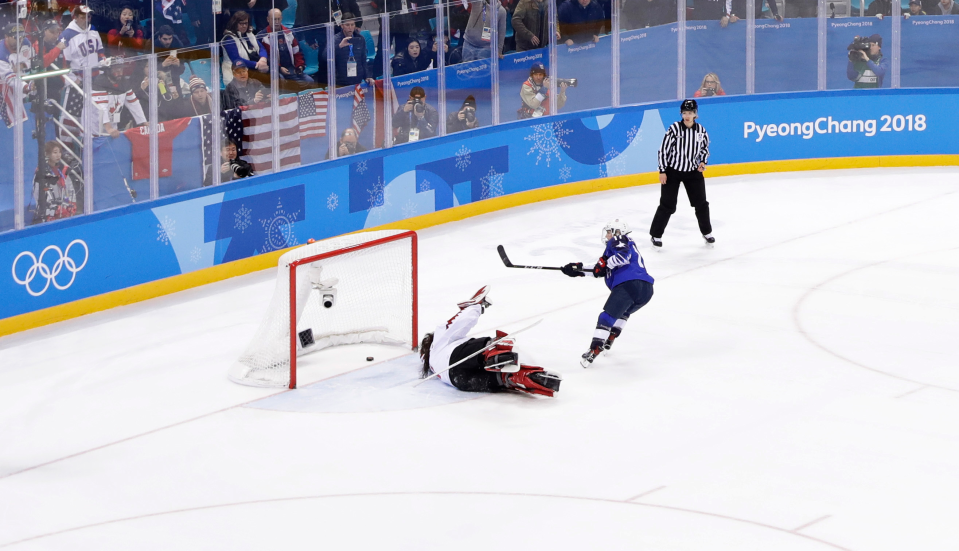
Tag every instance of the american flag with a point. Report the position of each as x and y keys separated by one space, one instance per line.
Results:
x=258 y=134
x=10 y=106
x=231 y=128
x=361 y=113
x=312 y=113
x=74 y=105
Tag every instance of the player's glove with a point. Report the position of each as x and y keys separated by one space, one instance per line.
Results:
x=599 y=270
x=574 y=269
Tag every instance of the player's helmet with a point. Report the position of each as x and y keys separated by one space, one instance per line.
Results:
x=689 y=105
x=618 y=228
x=537 y=68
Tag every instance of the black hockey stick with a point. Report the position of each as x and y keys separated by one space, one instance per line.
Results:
x=502 y=255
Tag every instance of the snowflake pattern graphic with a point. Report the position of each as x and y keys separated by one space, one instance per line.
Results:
x=378 y=195
x=425 y=185
x=409 y=209
x=166 y=229
x=548 y=140
x=332 y=202
x=635 y=133
x=612 y=164
x=565 y=173
x=492 y=184
x=241 y=218
x=361 y=167
x=279 y=229
x=463 y=157
x=196 y=254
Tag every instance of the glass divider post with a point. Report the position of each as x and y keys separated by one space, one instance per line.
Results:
x=553 y=58
x=821 y=44
x=751 y=45
x=387 y=81
x=19 y=203
x=154 y=127
x=681 y=49
x=87 y=119
x=616 y=56
x=274 y=61
x=896 y=49
x=494 y=53
x=440 y=41
x=331 y=126
x=216 y=140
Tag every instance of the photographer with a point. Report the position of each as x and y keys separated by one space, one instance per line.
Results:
x=535 y=94
x=233 y=167
x=866 y=66
x=416 y=120
x=55 y=193
x=348 y=144
x=126 y=37
x=464 y=119
x=710 y=87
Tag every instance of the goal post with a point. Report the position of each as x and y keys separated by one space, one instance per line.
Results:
x=349 y=289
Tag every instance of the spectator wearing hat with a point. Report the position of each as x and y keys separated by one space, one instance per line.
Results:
x=464 y=119
x=870 y=69
x=292 y=62
x=535 y=94
x=915 y=8
x=349 y=54
x=243 y=90
x=200 y=100
x=82 y=46
x=113 y=94
x=126 y=36
x=416 y=120
x=946 y=7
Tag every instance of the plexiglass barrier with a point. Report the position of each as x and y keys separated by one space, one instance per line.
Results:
x=105 y=105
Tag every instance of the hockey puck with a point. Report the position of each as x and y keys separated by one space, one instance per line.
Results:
x=311 y=240
x=369 y=358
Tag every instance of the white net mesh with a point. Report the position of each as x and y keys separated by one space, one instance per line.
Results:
x=372 y=301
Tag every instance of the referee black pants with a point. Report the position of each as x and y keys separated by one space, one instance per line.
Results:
x=695 y=190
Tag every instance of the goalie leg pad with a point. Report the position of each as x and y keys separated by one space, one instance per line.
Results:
x=478 y=298
x=533 y=380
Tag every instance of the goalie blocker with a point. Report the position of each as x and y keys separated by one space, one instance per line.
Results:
x=495 y=368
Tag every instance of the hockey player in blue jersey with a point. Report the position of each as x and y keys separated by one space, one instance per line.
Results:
x=631 y=287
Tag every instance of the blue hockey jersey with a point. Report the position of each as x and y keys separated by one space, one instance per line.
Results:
x=623 y=262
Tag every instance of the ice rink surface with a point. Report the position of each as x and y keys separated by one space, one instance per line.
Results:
x=794 y=388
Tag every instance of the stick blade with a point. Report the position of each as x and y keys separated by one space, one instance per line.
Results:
x=502 y=255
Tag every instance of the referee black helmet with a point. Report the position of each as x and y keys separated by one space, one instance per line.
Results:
x=689 y=105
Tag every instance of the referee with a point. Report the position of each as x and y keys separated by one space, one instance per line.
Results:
x=682 y=159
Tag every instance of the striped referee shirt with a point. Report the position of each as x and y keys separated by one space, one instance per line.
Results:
x=684 y=148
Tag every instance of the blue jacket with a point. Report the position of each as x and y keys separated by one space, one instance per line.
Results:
x=578 y=23
x=623 y=262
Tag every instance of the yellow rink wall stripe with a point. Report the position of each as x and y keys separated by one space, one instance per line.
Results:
x=189 y=280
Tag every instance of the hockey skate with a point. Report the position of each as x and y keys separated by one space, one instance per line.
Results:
x=609 y=340
x=710 y=240
x=478 y=298
x=590 y=355
x=532 y=380
x=657 y=242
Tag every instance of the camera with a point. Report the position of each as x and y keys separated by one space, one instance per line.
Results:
x=350 y=147
x=571 y=82
x=708 y=92
x=328 y=300
x=859 y=44
x=239 y=170
x=327 y=294
x=470 y=114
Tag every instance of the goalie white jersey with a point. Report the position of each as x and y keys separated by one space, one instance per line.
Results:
x=450 y=335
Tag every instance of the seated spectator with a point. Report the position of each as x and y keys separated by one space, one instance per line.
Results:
x=232 y=166
x=200 y=100
x=879 y=8
x=165 y=41
x=581 y=21
x=416 y=120
x=477 y=43
x=946 y=7
x=126 y=36
x=464 y=119
x=531 y=25
x=243 y=90
x=348 y=144
x=412 y=60
x=350 y=55
x=292 y=63
x=915 y=8
x=710 y=87
x=240 y=45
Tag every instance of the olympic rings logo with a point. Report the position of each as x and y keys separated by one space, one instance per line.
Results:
x=39 y=267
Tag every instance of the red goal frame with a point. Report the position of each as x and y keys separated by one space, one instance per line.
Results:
x=293 y=265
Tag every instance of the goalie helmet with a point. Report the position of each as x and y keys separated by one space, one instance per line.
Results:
x=618 y=228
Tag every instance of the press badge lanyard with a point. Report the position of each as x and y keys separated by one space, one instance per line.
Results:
x=486 y=30
x=338 y=14
x=351 y=64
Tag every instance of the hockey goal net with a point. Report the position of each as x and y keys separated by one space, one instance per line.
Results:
x=345 y=290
